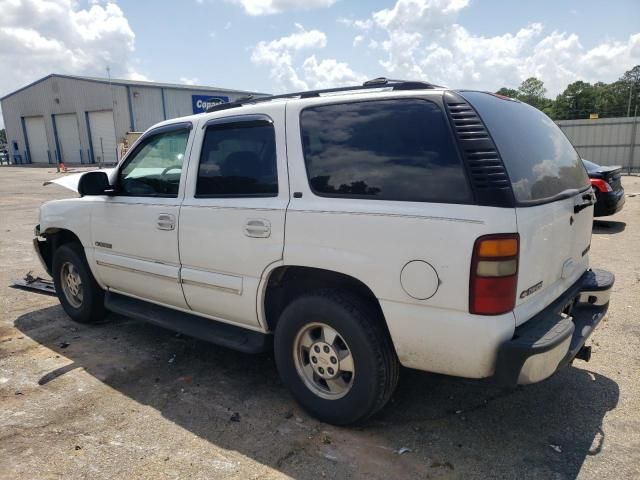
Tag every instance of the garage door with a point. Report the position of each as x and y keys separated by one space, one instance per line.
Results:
x=103 y=137
x=37 y=139
x=68 y=138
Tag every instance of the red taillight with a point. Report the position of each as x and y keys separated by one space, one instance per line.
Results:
x=494 y=274
x=600 y=185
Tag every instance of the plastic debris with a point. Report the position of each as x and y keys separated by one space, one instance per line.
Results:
x=36 y=284
x=404 y=450
x=557 y=448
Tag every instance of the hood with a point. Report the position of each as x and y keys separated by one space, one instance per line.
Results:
x=71 y=181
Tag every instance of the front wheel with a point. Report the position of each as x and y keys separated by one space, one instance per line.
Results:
x=335 y=357
x=78 y=292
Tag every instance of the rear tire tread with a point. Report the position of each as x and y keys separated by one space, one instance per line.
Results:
x=369 y=321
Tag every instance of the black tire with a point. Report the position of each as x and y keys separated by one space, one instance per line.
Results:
x=376 y=366
x=91 y=307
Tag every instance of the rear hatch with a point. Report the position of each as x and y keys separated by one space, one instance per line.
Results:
x=553 y=197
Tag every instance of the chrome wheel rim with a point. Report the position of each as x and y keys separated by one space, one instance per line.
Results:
x=324 y=361
x=71 y=284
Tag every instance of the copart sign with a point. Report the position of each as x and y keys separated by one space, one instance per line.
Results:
x=201 y=103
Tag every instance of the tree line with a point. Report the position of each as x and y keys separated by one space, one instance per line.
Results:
x=582 y=99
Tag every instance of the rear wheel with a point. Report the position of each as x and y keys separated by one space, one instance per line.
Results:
x=78 y=292
x=335 y=356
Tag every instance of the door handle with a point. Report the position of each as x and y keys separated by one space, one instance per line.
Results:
x=258 y=228
x=166 y=221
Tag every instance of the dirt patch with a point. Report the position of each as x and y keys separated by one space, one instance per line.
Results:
x=125 y=399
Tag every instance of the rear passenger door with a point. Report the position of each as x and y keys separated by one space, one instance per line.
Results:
x=232 y=217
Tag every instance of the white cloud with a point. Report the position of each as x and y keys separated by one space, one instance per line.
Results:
x=189 y=81
x=283 y=57
x=420 y=39
x=357 y=40
x=267 y=7
x=39 y=37
x=329 y=73
x=359 y=24
x=279 y=55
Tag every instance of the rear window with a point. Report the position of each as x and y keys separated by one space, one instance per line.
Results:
x=539 y=159
x=382 y=150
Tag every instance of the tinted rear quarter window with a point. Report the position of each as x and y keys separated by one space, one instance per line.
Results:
x=539 y=159
x=384 y=150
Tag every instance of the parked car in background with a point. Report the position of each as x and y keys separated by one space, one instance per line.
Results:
x=4 y=157
x=607 y=186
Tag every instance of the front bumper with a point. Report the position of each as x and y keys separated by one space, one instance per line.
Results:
x=551 y=339
x=38 y=242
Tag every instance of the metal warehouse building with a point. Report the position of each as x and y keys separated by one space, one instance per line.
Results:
x=71 y=119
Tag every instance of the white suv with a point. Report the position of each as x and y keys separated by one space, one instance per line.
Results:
x=353 y=231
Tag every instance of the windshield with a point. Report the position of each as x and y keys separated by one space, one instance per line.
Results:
x=539 y=159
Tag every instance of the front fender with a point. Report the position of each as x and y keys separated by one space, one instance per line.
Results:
x=69 y=215
x=72 y=214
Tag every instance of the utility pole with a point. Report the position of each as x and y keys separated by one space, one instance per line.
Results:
x=113 y=115
x=629 y=103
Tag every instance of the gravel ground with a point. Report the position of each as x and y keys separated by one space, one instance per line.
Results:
x=125 y=399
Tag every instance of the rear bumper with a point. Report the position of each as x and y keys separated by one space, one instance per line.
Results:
x=552 y=339
x=608 y=203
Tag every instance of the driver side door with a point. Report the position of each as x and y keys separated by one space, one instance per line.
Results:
x=135 y=230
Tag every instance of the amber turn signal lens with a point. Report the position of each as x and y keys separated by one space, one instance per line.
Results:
x=503 y=247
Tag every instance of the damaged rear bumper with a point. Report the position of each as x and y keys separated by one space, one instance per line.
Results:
x=552 y=339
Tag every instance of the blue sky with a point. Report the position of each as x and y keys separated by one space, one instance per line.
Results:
x=284 y=45
x=223 y=34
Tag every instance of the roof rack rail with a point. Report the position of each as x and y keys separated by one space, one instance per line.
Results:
x=380 y=82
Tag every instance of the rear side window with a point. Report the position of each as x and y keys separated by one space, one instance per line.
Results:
x=382 y=150
x=238 y=160
x=539 y=159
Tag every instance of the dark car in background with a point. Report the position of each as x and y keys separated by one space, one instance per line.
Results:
x=607 y=185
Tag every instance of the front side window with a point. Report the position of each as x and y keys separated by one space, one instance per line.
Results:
x=155 y=167
x=398 y=149
x=238 y=160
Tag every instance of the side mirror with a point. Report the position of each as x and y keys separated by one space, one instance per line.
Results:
x=94 y=183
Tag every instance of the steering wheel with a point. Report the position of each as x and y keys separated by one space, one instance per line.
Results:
x=172 y=167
